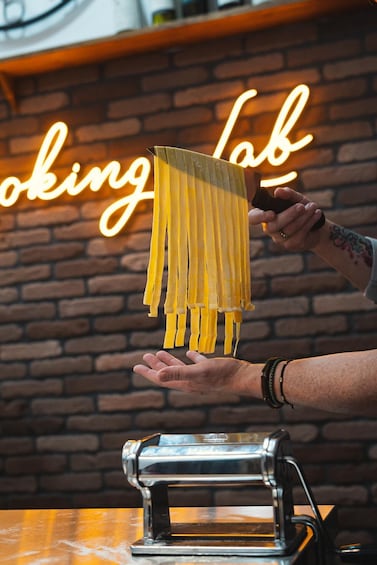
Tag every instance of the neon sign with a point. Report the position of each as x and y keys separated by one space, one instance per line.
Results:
x=43 y=184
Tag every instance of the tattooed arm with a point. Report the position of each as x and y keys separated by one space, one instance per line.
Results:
x=349 y=253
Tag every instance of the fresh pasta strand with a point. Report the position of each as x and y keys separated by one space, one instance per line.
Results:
x=200 y=212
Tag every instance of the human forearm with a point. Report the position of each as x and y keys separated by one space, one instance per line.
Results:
x=341 y=382
x=349 y=253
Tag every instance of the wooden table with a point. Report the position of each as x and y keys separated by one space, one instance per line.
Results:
x=103 y=536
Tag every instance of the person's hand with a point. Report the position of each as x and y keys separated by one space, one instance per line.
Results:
x=221 y=374
x=291 y=228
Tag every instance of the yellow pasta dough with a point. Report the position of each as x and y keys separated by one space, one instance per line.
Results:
x=200 y=217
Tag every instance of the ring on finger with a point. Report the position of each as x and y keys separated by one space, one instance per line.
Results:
x=283 y=235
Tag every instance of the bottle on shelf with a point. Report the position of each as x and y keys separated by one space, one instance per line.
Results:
x=162 y=11
x=193 y=7
x=226 y=4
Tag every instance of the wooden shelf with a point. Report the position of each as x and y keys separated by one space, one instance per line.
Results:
x=183 y=31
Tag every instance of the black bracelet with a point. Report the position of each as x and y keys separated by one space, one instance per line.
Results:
x=281 y=383
x=268 y=381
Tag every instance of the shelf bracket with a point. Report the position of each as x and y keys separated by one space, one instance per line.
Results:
x=7 y=86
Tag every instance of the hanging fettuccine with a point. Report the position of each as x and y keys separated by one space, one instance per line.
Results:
x=200 y=210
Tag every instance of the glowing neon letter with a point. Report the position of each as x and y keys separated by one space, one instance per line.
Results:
x=279 y=147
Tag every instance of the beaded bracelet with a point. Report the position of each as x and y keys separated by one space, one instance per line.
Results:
x=267 y=382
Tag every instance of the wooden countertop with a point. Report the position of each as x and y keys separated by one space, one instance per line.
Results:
x=103 y=536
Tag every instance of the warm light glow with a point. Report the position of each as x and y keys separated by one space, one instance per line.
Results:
x=279 y=146
x=43 y=184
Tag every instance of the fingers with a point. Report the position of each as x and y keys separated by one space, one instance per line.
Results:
x=294 y=219
x=168 y=359
x=258 y=216
x=287 y=193
x=195 y=357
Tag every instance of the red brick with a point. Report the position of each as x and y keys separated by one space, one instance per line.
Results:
x=351 y=430
x=336 y=303
x=30 y=237
x=72 y=482
x=130 y=401
x=8 y=295
x=99 y=423
x=68 y=77
x=10 y=332
x=8 y=259
x=17 y=485
x=43 y=103
x=354 y=109
x=126 y=323
x=118 y=361
x=75 y=405
x=324 y=52
x=234 y=415
x=209 y=51
x=109 y=129
x=30 y=388
x=49 y=253
x=12 y=370
x=26 y=312
x=350 y=67
x=102 y=460
x=311 y=326
x=61 y=366
x=54 y=215
x=15 y=446
x=91 y=306
x=307 y=284
x=25 y=274
x=68 y=443
x=37 y=291
x=77 y=231
x=207 y=94
x=178 y=118
x=81 y=384
x=260 y=64
x=180 y=399
x=136 y=65
x=346 y=89
x=35 y=464
x=57 y=329
x=36 y=350
x=144 y=104
x=282 y=36
x=85 y=267
x=362 y=151
x=95 y=344
x=338 y=177
x=103 y=91
x=170 y=420
x=173 y=80
x=117 y=283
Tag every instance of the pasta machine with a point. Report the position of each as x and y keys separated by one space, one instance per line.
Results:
x=160 y=462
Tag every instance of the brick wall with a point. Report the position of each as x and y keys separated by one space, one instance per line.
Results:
x=72 y=323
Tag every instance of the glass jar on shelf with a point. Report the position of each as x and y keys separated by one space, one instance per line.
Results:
x=193 y=7
x=157 y=12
